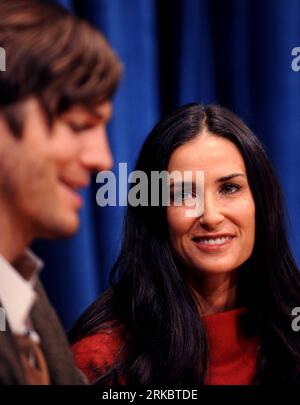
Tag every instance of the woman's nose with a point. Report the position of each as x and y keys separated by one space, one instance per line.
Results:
x=212 y=214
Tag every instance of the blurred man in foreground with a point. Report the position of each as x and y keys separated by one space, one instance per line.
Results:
x=54 y=108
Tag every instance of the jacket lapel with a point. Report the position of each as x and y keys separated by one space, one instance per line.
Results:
x=11 y=371
x=54 y=342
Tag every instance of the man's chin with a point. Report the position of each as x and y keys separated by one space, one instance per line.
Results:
x=61 y=229
x=70 y=228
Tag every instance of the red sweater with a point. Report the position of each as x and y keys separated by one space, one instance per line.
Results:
x=232 y=357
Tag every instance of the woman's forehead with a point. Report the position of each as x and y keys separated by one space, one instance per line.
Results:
x=210 y=153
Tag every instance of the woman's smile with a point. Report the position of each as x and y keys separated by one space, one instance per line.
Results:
x=213 y=244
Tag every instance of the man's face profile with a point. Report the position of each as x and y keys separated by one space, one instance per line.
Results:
x=42 y=171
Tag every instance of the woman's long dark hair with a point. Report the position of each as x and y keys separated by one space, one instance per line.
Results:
x=165 y=339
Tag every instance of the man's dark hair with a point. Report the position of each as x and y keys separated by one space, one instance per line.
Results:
x=54 y=56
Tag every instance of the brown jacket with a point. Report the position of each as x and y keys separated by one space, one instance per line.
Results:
x=54 y=345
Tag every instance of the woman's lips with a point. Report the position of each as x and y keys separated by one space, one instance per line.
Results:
x=214 y=247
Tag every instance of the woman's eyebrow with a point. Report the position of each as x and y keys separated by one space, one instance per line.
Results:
x=229 y=177
x=187 y=184
x=181 y=184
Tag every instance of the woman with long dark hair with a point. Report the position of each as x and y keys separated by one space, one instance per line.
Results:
x=206 y=299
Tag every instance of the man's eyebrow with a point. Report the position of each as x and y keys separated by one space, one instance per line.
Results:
x=99 y=115
x=229 y=177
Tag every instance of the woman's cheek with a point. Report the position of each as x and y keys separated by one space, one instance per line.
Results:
x=178 y=223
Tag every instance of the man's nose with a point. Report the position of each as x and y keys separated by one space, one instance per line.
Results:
x=96 y=154
x=212 y=214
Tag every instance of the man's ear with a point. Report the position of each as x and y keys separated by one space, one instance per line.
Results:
x=4 y=127
x=13 y=116
x=8 y=139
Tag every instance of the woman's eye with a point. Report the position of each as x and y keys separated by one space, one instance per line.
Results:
x=230 y=188
x=183 y=196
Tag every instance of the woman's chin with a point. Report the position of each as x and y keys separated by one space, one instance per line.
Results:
x=214 y=268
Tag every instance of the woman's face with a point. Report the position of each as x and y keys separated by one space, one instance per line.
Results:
x=222 y=238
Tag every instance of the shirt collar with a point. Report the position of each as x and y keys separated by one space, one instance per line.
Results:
x=17 y=293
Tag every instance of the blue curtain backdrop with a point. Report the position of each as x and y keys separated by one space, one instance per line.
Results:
x=236 y=53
